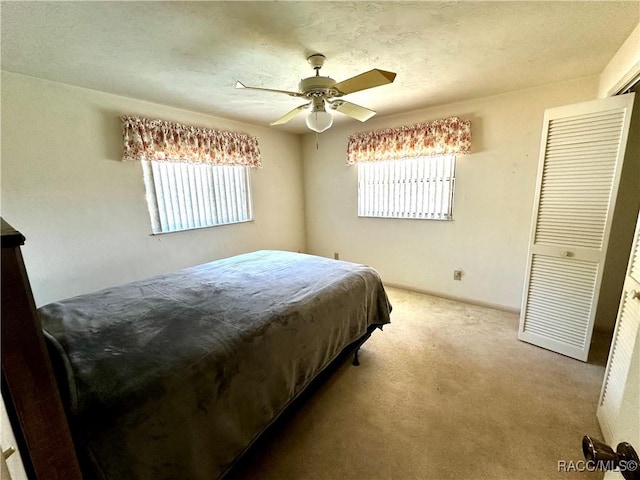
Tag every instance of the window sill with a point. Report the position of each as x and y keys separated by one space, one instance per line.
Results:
x=154 y=234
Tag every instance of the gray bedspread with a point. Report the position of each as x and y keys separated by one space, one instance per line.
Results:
x=173 y=377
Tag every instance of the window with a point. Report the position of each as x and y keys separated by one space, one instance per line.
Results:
x=418 y=187
x=194 y=177
x=183 y=196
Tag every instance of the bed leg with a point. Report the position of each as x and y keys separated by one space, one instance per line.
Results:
x=356 y=362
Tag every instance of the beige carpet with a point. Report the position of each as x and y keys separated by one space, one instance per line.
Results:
x=445 y=392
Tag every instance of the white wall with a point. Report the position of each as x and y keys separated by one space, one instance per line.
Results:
x=83 y=211
x=623 y=67
x=488 y=238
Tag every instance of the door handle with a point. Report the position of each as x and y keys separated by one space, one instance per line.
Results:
x=625 y=458
x=566 y=253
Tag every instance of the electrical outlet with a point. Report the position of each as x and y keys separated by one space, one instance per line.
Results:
x=457 y=274
x=336 y=256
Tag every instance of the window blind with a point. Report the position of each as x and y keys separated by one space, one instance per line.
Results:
x=184 y=196
x=420 y=187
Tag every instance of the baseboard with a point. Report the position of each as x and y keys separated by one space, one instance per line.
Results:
x=495 y=306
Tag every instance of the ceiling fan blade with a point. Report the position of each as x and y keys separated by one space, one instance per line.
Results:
x=370 y=79
x=354 y=111
x=240 y=85
x=290 y=115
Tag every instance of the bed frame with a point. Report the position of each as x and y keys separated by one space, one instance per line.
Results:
x=37 y=416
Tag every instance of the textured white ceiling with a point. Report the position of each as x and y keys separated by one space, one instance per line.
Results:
x=190 y=54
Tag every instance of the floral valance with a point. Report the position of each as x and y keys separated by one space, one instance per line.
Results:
x=174 y=142
x=440 y=137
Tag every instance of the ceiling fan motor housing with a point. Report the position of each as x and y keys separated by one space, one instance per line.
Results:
x=318 y=87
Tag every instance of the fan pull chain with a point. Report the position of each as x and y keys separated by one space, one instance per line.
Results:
x=317 y=141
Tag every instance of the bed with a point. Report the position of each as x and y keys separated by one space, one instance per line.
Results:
x=176 y=376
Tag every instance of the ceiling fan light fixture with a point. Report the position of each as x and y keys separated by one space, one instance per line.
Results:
x=318 y=119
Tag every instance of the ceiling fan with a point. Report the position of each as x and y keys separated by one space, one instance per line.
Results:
x=325 y=91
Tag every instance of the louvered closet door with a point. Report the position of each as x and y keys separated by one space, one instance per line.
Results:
x=625 y=337
x=580 y=162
